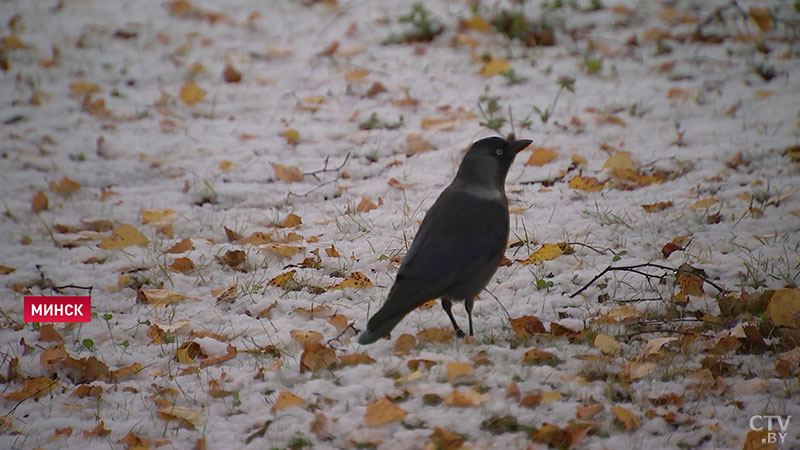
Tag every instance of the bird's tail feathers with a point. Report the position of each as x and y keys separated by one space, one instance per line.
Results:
x=378 y=329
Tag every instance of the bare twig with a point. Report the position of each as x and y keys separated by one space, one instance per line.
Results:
x=326 y=169
x=634 y=268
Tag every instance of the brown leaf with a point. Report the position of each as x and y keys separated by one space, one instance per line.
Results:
x=589 y=411
x=191 y=93
x=538 y=357
x=282 y=250
x=230 y=353
x=98 y=431
x=65 y=186
x=382 y=412
x=365 y=205
x=551 y=435
x=457 y=370
x=659 y=206
x=587 y=184
x=233 y=258
x=355 y=359
x=530 y=401
x=332 y=252
x=232 y=235
x=465 y=399
x=607 y=344
x=376 y=88
x=48 y=333
x=624 y=415
x=284 y=281
x=183 y=265
x=39 y=202
x=445 y=439
x=288 y=174
x=669 y=248
x=230 y=74
x=181 y=246
x=404 y=343
x=317 y=356
x=783 y=308
x=396 y=184
x=157 y=297
x=437 y=335
x=5 y=270
x=761 y=16
x=32 y=388
x=256 y=238
x=526 y=326
x=415 y=144
x=292 y=220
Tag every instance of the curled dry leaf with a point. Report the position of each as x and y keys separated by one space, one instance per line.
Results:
x=659 y=206
x=256 y=238
x=538 y=357
x=365 y=205
x=282 y=249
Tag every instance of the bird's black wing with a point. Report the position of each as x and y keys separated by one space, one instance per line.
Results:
x=459 y=233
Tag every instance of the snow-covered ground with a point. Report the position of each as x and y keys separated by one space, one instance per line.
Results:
x=133 y=101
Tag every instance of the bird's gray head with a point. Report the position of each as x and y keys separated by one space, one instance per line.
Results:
x=487 y=162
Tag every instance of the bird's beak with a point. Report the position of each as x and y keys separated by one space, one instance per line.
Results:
x=517 y=146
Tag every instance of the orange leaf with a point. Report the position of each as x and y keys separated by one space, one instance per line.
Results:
x=256 y=238
x=526 y=326
x=283 y=250
x=628 y=419
x=124 y=236
x=181 y=246
x=286 y=400
x=456 y=370
x=231 y=75
x=292 y=220
x=659 y=206
x=305 y=337
x=365 y=205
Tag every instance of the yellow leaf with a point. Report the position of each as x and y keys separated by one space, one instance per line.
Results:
x=494 y=66
x=274 y=51
x=256 y=238
x=192 y=93
x=355 y=280
x=541 y=156
x=84 y=88
x=783 y=308
x=184 y=357
x=764 y=93
x=188 y=415
x=124 y=236
x=658 y=206
x=161 y=296
x=283 y=250
x=314 y=99
x=382 y=412
x=587 y=184
x=356 y=75
x=456 y=370
x=283 y=280
x=158 y=217
x=304 y=337
x=292 y=136
x=287 y=399
x=226 y=165
x=478 y=23
x=546 y=253
x=628 y=419
x=606 y=344
x=578 y=160
x=552 y=396
x=288 y=174
x=619 y=161
x=704 y=203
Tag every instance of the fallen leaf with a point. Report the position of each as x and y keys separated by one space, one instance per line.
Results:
x=292 y=220
x=761 y=16
x=32 y=388
x=365 y=205
x=230 y=74
x=183 y=265
x=305 y=337
x=256 y=238
x=339 y=321
x=783 y=308
x=628 y=419
x=181 y=246
x=124 y=236
x=404 y=343
x=282 y=250
x=606 y=344
x=659 y=206
x=292 y=137
x=620 y=314
x=437 y=335
x=98 y=431
x=635 y=370
x=456 y=370
x=587 y=184
x=316 y=357
x=284 y=280
x=188 y=417
x=5 y=270
x=288 y=174
x=191 y=93
x=356 y=75
x=39 y=202
x=355 y=359
x=416 y=144
x=465 y=399
x=157 y=297
x=286 y=400
x=230 y=353
x=494 y=67
x=158 y=217
x=84 y=88
x=653 y=347
x=382 y=412
x=48 y=333
x=526 y=326
x=546 y=252
x=541 y=156
x=589 y=411
x=65 y=186
x=538 y=357
x=356 y=280
x=442 y=439
x=478 y=23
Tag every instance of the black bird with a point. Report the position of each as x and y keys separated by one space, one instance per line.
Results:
x=460 y=242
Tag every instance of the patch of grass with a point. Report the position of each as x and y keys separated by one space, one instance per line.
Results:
x=424 y=26
x=515 y=25
x=374 y=123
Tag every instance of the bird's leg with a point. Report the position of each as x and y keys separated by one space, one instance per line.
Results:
x=448 y=308
x=468 y=306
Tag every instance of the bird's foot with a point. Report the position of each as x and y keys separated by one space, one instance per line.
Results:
x=459 y=333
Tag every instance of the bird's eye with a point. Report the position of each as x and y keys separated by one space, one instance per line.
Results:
x=498 y=152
